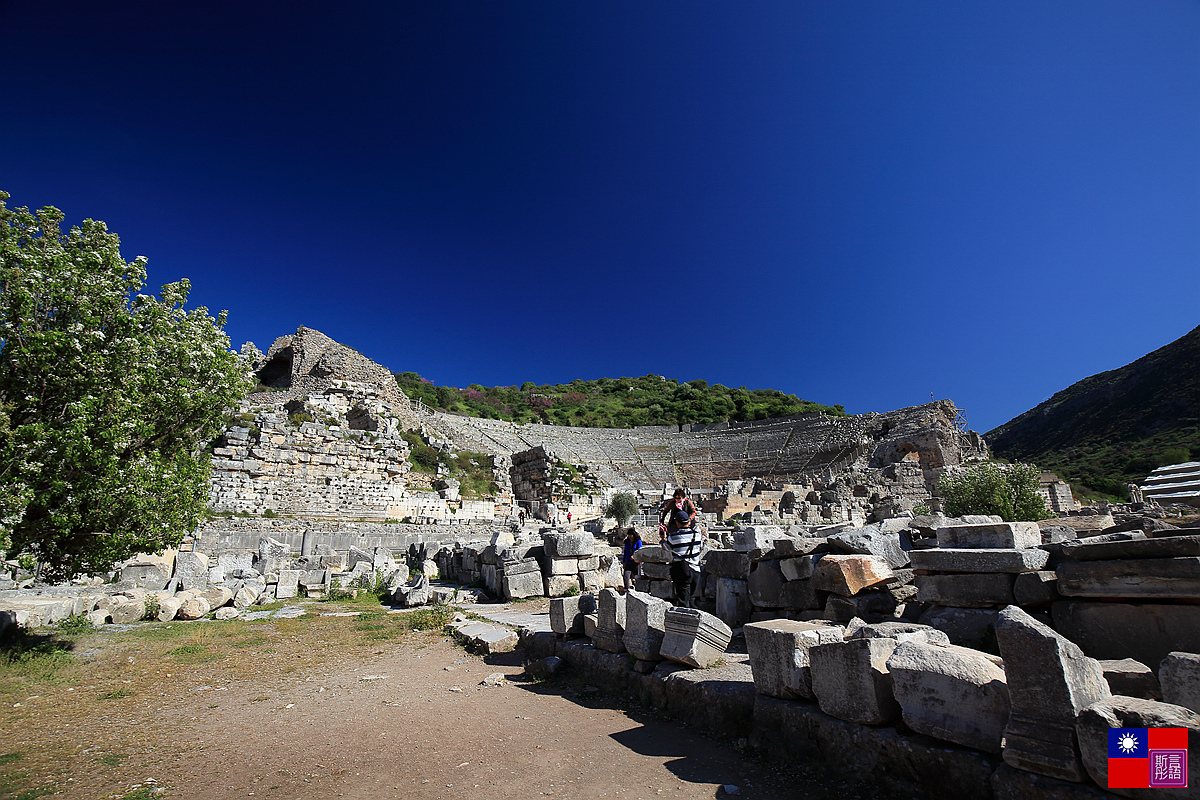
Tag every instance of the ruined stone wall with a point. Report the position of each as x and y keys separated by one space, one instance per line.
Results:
x=310 y=470
x=782 y=449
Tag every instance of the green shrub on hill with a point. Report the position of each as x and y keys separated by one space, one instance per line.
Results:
x=1007 y=490
x=613 y=403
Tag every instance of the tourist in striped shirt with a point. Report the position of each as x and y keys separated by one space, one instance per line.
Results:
x=677 y=529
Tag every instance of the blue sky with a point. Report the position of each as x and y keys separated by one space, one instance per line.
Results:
x=858 y=202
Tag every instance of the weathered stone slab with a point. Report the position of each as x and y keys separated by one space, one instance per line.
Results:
x=950 y=693
x=899 y=764
x=560 y=544
x=656 y=571
x=799 y=568
x=1179 y=674
x=965 y=590
x=801 y=595
x=727 y=564
x=591 y=581
x=610 y=621
x=560 y=585
x=694 y=637
x=848 y=575
x=1164 y=547
x=645 y=625
x=1130 y=712
x=273 y=555
x=766 y=584
x=1131 y=679
x=191 y=569
x=779 y=655
x=652 y=554
x=1006 y=535
x=852 y=682
x=521 y=584
x=900 y=631
x=980 y=559
x=191 y=609
x=1135 y=578
x=1036 y=589
x=871 y=541
x=589 y=563
x=566 y=613
x=969 y=627
x=522 y=567
x=1050 y=681
x=733 y=601
x=1144 y=631
x=127 y=610
x=289 y=584
x=757 y=541
x=562 y=566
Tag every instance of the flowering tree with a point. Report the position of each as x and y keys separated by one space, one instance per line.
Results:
x=107 y=397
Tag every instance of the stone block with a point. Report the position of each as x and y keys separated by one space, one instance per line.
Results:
x=757 y=541
x=273 y=555
x=980 y=560
x=800 y=568
x=656 y=571
x=566 y=613
x=848 y=575
x=965 y=590
x=1143 y=631
x=733 y=601
x=1179 y=674
x=1120 y=549
x=766 y=584
x=288 y=585
x=216 y=574
x=1007 y=535
x=589 y=626
x=191 y=609
x=589 y=564
x=727 y=564
x=779 y=655
x=591 y=581
x=560 y=585
x=126 y=611
x=560 y=544
x=522 y=584
x=610 y=621
x=871 y=541
x=522 y=567
x=802 y=595
x=663 y=589
x=652 y=554
x=216 y=597
x=900 y=631
x=192 y=570
x=152 y=575
x=1097 y=719
x=1132 y=679
x=1131 y=578
x=950 y=693
x=968 y=627
x=852 y=682
x=1036 y=589
x=645 y=625
x=693 y=637
x=562 y=566
x=235 y=561
x=1050 y=682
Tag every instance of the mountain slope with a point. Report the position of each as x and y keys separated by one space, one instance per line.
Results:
x=1114 y=427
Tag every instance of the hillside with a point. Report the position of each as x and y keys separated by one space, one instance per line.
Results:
x=1114 y=427
x=612 y=402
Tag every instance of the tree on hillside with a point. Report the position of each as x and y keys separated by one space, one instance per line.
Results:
x=621 y=507
x=107 y=398
x=1008 y=490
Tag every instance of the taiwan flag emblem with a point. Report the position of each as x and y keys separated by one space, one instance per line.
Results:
x=1147 y=758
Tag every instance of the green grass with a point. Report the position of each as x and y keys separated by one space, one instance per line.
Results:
x=27 y=658
x=111 y=760
x=116 y=694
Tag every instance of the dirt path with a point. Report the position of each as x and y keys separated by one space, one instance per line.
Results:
x=348 y=707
